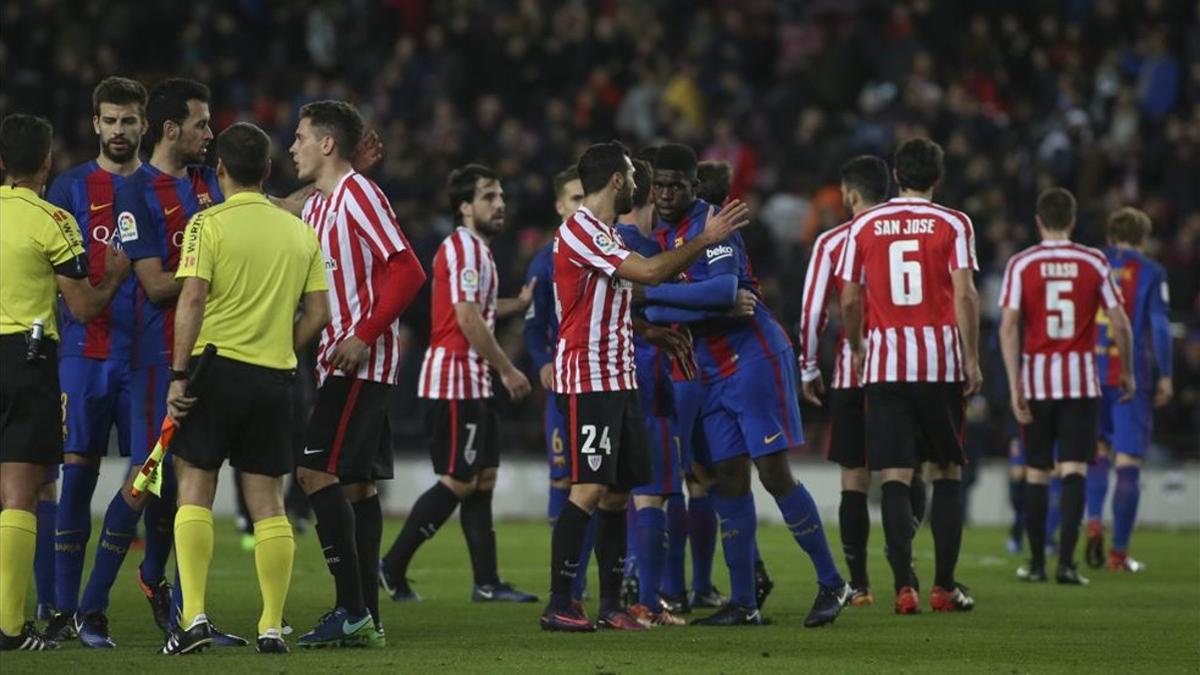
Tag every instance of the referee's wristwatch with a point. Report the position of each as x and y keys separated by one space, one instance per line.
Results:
x=177 y=375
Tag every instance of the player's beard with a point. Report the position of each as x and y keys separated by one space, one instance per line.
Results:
x=491 y=227
x=119 y=156
x=624 y=201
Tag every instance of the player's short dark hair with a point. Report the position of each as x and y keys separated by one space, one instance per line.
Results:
x=643 y=177
x=460 y=185
x=599 y=162
x=1129 y=225
x=647 y=153
x=24 y=144
x=675 y=157
x=168 y=101
x=919 y=163
x=245 y=152
x=338 y=119
x=1056 y=208
x=868 y=175
x=716 y=179
x=119 y=91
x=562 y=178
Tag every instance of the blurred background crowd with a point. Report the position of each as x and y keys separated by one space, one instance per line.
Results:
x=1099 y=96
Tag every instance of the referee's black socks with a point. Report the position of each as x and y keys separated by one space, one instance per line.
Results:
x=1073 y=498
x=428 y=514
x=1036 y=504
x=480 y=533
x=336 y=530
x=946 y=519
x=566 y=548
x=611 y=530
x=897 y=530
x=368 y=530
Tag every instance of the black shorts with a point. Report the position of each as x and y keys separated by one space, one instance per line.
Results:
x=32 y=413
x=243 y=413
x=913 y=422
x=847 y=434
x=464 y=436
x=606 y=439
x=1073 y=424
x=349 y=435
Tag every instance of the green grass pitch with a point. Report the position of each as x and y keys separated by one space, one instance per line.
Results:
x=1121 y=623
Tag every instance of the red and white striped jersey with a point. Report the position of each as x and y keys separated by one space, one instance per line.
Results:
x=903 y=252
x=595 y=334
x=1057 y=287
x=463 y=271
x=822 y=286
x=358 y=233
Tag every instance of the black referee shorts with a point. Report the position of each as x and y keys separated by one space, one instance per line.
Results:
x=31 y=408
x=348 y=433
x=847 y=428
x=1073 y=424
x=606 y=439
x=913 y=422
x=243 y=413
x=464 y=436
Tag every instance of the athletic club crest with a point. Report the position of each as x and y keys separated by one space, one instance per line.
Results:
x=594 y=462
x=469 y=455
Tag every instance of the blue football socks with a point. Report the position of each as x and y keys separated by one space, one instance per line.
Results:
x=802 y=519
x=1125 y=505
x=116 y=534
x=739 y=529
x=72 y=528
x=702 y=537
x=651 y=554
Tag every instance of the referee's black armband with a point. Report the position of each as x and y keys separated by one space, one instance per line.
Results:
x=75 y=268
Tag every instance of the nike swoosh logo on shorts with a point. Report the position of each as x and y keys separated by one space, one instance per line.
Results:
x=771 y=439
x=318 y=451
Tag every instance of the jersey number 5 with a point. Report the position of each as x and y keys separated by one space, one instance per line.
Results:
x=1060 y=311
x=905 y=275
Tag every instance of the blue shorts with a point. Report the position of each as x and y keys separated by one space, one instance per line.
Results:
x=148 y=406
x=95 y=396
x=554 y=428
x=689 y=398
x=1126 y=427
x=753 y=412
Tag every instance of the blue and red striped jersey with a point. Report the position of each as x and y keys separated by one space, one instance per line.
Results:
x=721 y=343
x=153 y=208
x=1143 y=284
x=87 y=192
x=654 y=366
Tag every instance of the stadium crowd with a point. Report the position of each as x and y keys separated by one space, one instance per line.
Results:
x=784 y=92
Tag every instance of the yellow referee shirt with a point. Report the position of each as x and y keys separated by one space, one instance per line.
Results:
x=38 y=240
x=258 y=260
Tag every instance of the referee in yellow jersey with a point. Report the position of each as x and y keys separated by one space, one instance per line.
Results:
x=245 y=264
x=41 y=253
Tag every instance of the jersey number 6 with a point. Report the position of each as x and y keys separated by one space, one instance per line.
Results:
x=905 y=275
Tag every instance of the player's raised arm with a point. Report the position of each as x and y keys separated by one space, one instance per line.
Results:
x=657 y=269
